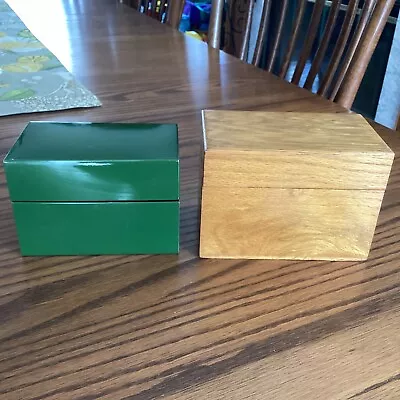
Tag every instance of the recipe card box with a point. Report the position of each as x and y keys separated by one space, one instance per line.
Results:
x=300 y=186
x=88 y=189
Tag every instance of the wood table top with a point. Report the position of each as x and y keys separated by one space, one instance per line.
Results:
x=178 y=327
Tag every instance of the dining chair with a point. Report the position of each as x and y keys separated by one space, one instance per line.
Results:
x=168 y=11
x=352 y=50
x=174 y=13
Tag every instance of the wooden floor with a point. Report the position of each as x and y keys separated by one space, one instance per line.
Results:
x=178 y=327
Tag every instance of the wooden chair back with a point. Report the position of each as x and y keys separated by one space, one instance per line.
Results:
x=175 y=11
x=352 y=51
x=398 y=123
x=168 y=11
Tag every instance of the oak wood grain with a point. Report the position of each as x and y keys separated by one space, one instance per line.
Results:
x=297 y=170
x=178 y=327
x=276 y=131
x=293 y=150
x=291 y=224
x=290 y=186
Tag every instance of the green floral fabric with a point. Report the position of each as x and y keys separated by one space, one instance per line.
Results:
x=31 y=78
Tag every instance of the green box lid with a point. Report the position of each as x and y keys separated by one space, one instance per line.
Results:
x=54 y=161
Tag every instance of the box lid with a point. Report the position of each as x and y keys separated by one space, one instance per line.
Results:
x=53 y=161
x=293 y=150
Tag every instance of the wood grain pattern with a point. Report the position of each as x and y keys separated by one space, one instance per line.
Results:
x=180 y=327
x=292 y=224
x=290 y=186
x=295 y=170
x=259 y=131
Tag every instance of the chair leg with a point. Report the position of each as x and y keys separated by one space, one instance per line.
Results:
x=162 y=10
x=214 y=30
x=174 y=12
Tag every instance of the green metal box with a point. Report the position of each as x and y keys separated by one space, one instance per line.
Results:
x=89 y=189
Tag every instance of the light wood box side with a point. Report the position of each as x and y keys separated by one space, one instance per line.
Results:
x=258 y=131
x=290 y=169
x=299 y=224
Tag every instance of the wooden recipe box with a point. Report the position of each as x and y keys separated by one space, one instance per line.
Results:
x=299 y=186
x=87 y=189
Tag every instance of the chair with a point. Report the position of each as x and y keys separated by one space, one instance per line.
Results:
x=352 y=51
x=166 y=11
x=175 y=13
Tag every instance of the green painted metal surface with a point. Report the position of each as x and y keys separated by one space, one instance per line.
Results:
x=46 y=229
x=94 y=162
x=88 y=189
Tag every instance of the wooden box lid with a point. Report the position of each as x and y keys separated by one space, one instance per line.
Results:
x=293 y=150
